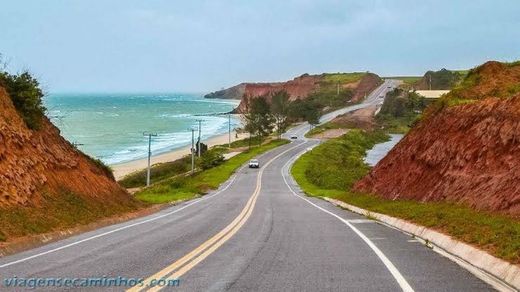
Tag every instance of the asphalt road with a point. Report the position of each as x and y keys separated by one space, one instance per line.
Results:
x=256 y=233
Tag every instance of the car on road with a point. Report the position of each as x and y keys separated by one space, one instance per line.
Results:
x=381 y=96
x=253 y=163
x=293 y=137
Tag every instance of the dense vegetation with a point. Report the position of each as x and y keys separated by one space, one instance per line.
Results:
x=26 y=94
x=258 y=118
x=400 y=110
x=331 y=169
x=442 y=79
x=187 y=187
x=211 y=158
x=261 y=117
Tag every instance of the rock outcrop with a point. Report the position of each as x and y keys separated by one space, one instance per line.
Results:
x=465 y=150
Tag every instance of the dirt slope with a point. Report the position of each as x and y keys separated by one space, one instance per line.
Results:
x=298 y=88
x=41 y=172
x=466 y=153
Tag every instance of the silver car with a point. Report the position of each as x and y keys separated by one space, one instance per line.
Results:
x=253 y=163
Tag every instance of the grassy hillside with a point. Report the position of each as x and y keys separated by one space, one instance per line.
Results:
x=492 y=79
x=338 y=89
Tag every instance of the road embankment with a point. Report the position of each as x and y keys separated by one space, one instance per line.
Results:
x=332 y=168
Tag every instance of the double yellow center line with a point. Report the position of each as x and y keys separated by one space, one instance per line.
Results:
x=187 y=262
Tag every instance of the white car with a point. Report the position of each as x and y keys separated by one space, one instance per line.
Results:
x=253 y=163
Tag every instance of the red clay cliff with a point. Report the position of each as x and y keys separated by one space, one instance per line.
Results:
x=35 y=165
x=466 y=153
x=298 y=88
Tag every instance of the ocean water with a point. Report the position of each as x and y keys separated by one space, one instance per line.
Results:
x=110 y=126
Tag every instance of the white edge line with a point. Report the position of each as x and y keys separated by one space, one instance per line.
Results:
x=117 y=229
x=389 y=265
x=126 y=226
x=482 y=274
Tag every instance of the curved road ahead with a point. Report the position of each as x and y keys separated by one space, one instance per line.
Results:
x=257 y=232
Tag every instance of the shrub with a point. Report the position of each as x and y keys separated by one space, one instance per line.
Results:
x=24 y=90
x=105 y=169
x=211 y=159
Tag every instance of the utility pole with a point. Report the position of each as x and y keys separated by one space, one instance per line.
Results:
x=150 y=135
x=193 y=151
x=229 y=130
x=337 y=93
x=198 y=146
x=430 y=81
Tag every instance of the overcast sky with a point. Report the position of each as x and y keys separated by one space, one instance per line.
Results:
x=198 y=46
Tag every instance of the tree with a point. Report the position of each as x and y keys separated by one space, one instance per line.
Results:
x=306 y=110
x=280 y=111
x=257 y=117
x=211 y=158
x=26 y=95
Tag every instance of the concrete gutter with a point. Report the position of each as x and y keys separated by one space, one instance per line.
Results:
x=502 y=275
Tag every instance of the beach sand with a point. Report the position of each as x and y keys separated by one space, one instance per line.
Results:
x=122 y=169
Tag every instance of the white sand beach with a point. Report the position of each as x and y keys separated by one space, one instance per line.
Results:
x=122 y=169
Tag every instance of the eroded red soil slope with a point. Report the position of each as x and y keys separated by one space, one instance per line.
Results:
x=467 y=153
x=46 y=184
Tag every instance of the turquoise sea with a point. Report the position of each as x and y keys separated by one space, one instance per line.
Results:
x=110 y=126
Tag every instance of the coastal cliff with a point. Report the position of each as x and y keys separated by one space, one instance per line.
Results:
x=46 y=183
x=356 y=85
x=465 y=148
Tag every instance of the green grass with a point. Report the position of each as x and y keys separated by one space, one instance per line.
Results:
x=342 y=78
x=159 y=172
x=324 y=127
x=187 y=187
x=58 y=212
x=409 y=80
x=245 y=142
x=338 y=163
x=164 y=195
x=167 y=170
x=498 y=234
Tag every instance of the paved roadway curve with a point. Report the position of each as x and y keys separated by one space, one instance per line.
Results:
x=258 y=233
